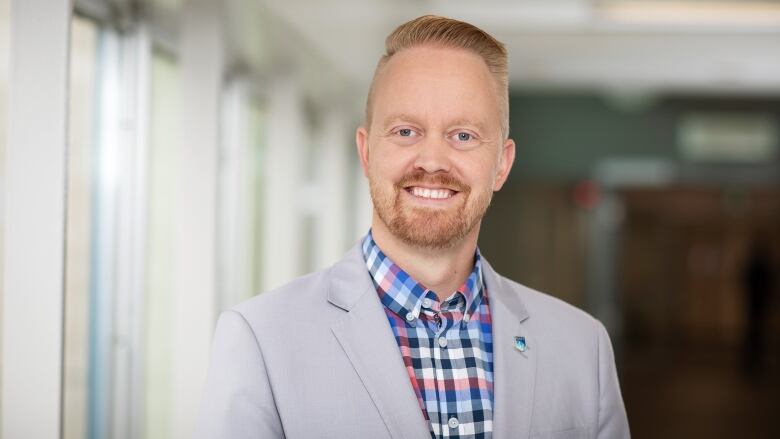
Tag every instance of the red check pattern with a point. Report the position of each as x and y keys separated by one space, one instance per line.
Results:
x=447 y=346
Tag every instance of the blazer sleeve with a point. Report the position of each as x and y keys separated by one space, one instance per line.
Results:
x=237 y=401
x=612 y=422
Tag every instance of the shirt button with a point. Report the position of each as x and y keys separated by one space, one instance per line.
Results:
x=443 y=343
x=409 y=317
x=453 y=422
x=427 y=303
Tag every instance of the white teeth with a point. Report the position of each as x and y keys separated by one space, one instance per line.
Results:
x=431 y=193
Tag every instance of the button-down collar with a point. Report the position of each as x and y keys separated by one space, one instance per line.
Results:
x=404 y=295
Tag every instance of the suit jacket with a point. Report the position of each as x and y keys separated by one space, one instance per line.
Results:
x=316 y=358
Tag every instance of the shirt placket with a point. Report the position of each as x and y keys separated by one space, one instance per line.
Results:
x=448 y=414
x=430 y=320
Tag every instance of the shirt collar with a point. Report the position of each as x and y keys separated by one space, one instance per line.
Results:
x=403 y=295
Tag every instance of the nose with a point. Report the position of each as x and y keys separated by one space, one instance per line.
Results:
x=433 y=155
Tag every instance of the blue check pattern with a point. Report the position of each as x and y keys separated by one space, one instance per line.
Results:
x=447 y=346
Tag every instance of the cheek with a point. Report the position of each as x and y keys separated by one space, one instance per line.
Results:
x=390 y=163
x=383 y=171
x=480 y=171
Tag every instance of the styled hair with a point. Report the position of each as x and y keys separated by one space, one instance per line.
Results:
x=445 y=32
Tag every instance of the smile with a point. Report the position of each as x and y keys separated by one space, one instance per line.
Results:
x=435 y=193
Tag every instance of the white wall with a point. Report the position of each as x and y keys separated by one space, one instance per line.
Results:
x=34 y=220
x=4 y=34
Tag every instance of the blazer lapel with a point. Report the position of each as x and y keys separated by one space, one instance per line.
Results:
x=365 y=335
x=514 y=372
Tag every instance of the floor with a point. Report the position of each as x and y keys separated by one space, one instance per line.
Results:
x=699 y=392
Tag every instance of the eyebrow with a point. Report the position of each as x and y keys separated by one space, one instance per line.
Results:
x=389 y=120
x=479 y=126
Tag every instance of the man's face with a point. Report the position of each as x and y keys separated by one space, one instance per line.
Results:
x=434 y=152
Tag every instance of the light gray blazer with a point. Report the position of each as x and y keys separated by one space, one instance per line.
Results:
x=316 y=358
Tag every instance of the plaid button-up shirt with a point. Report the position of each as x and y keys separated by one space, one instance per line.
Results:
x=447 y=346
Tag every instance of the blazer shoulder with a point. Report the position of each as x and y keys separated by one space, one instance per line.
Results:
x=303 y=295
x=548 y=310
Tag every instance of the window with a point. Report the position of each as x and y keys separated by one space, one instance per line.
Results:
x=164 y=153
x=241 y=181
x=81 y=111
x=106 y=220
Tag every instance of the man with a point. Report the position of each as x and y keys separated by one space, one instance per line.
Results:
x=412 y=334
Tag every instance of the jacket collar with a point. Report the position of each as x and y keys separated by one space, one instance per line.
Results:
x=501 y=292
x=349 y=280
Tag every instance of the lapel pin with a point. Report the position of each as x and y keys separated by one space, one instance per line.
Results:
x=520 y=344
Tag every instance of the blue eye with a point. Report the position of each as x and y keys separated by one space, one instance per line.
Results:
x=405 y=132
x=464 y=137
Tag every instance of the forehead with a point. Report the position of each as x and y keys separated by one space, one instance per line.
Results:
x=438 y=83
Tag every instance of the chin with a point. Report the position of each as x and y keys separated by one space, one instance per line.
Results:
x=438 y=231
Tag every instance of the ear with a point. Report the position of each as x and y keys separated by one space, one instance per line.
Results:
x=361 y=141
x=505 y=161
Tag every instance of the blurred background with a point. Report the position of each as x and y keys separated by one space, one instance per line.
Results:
x=163 y=160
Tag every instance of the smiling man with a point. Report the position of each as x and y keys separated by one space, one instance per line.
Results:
x=412 y=334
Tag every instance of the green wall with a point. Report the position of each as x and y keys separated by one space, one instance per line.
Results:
x=560 y=136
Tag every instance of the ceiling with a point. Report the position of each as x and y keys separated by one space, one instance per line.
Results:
x=652 y=46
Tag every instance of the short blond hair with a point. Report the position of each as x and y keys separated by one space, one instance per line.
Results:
x=448 y=33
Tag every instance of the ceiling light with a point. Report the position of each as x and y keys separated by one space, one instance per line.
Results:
x=708 y=13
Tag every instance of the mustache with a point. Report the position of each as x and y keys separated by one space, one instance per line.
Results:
x=419 y=177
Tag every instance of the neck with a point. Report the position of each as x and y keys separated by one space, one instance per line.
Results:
x=441 y=270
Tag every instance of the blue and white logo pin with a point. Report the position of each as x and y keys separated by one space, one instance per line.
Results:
x=520 y=344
